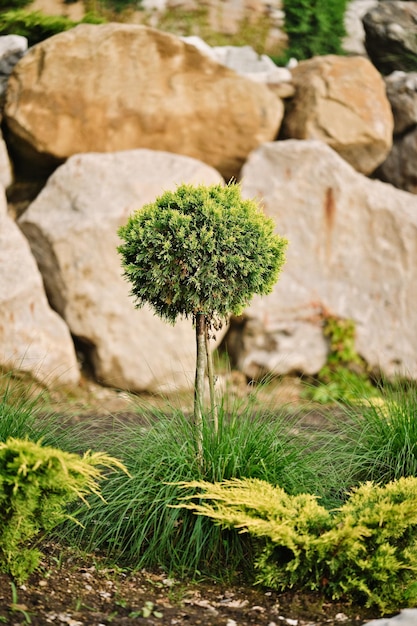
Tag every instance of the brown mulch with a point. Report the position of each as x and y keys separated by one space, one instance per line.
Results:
x=82 y=590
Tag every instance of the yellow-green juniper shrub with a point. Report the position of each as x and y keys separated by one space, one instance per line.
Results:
x=365 y=551
x=36 y=485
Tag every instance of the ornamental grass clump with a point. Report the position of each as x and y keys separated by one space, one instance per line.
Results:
x=20 y=407
x=26 y=413
x=138 y=526
x=378 y=436
x=36 y=485
x=200 y=252
x=365 y=551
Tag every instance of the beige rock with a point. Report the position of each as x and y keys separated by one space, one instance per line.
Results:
x=111 y=87
x=33 y=338
x=72 y=228
x=352 y=253
x=342 y=101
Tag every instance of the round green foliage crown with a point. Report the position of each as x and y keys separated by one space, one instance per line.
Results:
x=200 y=249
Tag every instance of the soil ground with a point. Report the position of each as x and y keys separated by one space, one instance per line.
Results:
x=76 y=589
x=81 y=590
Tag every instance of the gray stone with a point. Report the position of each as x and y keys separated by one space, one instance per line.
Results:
x=399 y=168
x=12 y=48
x=402 y=94
x=391 y=36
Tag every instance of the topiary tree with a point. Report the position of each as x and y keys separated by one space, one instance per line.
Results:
x=200 y=252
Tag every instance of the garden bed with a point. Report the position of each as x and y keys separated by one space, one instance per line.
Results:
x=84 y=590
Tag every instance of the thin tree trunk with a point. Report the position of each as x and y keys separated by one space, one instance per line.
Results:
x=212 y=383
x=201 y=362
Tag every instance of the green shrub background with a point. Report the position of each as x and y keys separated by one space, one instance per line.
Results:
x=314 y=27
x=36 y=26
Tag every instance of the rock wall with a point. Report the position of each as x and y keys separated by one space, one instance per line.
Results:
x=126 y=112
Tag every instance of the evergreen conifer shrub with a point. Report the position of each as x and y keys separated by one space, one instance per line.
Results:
x=200 y=249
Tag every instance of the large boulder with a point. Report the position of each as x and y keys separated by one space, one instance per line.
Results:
x=391 y=35
x=72 y=228
x=352 y=253
x=341 y=101
x=112 y=87
x=33 y=338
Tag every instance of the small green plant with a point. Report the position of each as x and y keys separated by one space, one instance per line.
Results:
x=344 y=377
x=200 y=252
x=20 y=406
x=36 y=484
x=183 y=22
x=314 y=27
x=16 y=607
x=366 y=550
x=148 y=610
